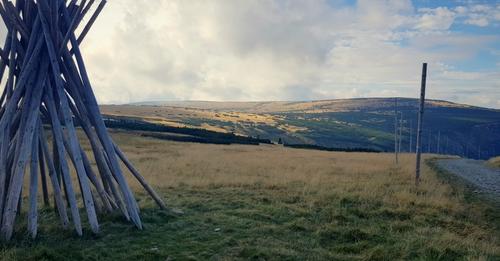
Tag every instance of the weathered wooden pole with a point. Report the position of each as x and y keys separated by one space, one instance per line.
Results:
x=420 y=123
x=47 y=82
x=43 y=176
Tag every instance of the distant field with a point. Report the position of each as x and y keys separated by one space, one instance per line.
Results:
x=269 y=202
x=449 y=128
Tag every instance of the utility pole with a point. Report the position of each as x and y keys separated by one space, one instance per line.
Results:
x=396 y=129
x=420 y=123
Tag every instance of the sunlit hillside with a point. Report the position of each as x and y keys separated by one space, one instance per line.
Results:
x=449 y=128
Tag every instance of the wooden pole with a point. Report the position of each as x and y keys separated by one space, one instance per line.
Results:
x=13 y=193
x=48 y=82
x=141 y=180
x=420 y=123
x=68 y=121
x=100 y=128
x=60 y=152
x=32 y=213
x=43 y=177
x=59 y=201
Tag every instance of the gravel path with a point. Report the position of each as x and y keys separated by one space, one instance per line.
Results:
x=476 y=172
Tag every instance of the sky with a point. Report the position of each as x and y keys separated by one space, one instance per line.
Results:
x=263 y=50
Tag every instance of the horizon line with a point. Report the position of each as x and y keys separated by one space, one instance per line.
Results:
x=285 y=101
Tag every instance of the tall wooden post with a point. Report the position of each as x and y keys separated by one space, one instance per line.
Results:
x=420 y=123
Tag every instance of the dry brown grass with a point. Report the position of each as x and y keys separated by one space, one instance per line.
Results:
x=494 y=162
x=367 y=175
x=310 y=175
x=180 y=117
x=272 y=201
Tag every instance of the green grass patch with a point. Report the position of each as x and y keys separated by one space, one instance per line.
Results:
x=261 y=223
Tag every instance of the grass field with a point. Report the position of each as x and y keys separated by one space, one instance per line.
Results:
x=268 y=202
x=494 y=162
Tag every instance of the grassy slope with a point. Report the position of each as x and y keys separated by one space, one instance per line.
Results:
x=245 y=202
x=365 y=123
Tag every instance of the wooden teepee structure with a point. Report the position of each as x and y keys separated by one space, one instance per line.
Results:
x=47 y=90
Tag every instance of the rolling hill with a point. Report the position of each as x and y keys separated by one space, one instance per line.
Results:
x=449 y=128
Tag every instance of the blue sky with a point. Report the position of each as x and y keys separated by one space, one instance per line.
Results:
x=484 y=60
x=245 y=50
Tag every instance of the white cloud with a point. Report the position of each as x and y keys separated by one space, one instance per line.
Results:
x=479 y=21
x=480 y=8
x=276 y=50
x=482 y=15
x=440 y=18
x=461 y=10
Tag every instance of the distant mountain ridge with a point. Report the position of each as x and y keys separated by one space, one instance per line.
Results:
x=283 y=106
x=449 y=127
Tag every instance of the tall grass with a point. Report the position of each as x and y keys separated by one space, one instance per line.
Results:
x=269 y=202
x=171 y=164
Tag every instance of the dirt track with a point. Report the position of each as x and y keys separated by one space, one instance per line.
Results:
x=476 y=172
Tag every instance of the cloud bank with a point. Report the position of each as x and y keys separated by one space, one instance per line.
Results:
x=293 y=50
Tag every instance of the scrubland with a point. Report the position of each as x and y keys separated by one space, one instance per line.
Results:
x=269 y=202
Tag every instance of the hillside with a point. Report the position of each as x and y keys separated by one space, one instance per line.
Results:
x=364 y=123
